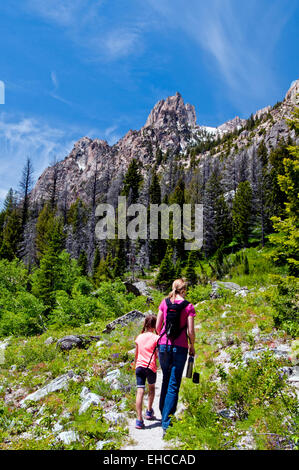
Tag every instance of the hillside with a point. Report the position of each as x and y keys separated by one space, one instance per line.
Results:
x=248 y=392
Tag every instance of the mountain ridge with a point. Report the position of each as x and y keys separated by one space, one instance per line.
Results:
x=170 y=127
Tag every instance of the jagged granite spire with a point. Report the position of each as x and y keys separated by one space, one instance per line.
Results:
x=172 y=109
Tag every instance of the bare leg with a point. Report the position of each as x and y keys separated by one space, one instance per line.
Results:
x=151 y=396
x=139 y=401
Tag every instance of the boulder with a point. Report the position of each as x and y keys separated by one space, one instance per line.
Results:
x=238 y=290
x=139 y=288
x=75 y=341
x=59 y=383
x=227 y=413
x=133 y=316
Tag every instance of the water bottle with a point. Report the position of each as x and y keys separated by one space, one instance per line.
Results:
x=190 y=367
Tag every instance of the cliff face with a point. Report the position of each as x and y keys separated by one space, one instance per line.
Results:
x=171 y=126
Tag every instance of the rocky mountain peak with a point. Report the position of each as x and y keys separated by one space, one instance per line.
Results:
x=292 y=93
x=232 y=125
x=170 y=111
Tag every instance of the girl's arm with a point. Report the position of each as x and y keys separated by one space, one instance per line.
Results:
x=136 y=355
x=159 y=322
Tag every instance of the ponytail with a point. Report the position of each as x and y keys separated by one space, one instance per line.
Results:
x=179 y=286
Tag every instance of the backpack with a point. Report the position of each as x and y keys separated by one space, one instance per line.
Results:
x=173 y=316
x=172 y=328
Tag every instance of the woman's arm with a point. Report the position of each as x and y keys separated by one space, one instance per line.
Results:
x=191 y=334
x=159 y=322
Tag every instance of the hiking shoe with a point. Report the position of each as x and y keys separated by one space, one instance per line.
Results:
x=150 y=414
x=139 y=424
x=164 y=432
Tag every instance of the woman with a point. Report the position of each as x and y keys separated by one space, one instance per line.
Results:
x=173 y=353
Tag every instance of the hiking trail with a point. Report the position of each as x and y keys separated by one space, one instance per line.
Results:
x=150 y=438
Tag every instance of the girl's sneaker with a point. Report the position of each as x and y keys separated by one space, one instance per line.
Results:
x=150 y=414
x=139 y=424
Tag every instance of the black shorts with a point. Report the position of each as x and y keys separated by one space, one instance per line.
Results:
x=142 y=373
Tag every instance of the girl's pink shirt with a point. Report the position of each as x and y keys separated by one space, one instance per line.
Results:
x=182 y=340
x=146 y=344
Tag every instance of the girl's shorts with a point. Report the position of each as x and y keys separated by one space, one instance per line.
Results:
x=142 y=373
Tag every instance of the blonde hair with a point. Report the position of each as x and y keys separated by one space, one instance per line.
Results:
x=179 y=286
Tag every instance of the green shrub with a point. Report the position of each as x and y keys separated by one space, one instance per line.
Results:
x=285 y=302
x=199 y=293
x=13 y=275
x=257 y=383
x=21 y=314
x=73 y=311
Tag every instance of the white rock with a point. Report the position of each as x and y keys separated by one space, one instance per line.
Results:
x=57 y=428
x=100 y=444
x=256 y=331
x=3 y=345
x=57 y=384
x=222 y=357
x=68 y=437
x=114 y=417
x=49 y=340
x=89 y=399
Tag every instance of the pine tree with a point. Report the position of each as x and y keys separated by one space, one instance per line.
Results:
x=217 y=224
x=286 y=238
x=242 y=206
x=159 y=156
x=166 y=272
x=191 y=275
x=246 y=265
x=44 y=226
x=178 y=269
x=26 y=185
x=82 y=263
x=48 y=278
x=178 y=197
x=96 y=260
x=11 y=235
x=132 y=182
x=156 y=247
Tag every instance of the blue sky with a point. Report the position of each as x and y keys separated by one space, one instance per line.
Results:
x=97 y=67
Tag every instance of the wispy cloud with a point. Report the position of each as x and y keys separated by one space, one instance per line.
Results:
x=22 y=137
x=238 y=37
x=28 y=137
x=54 y=79
x=85 y=25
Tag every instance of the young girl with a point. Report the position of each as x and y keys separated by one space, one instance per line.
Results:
x=146 y=368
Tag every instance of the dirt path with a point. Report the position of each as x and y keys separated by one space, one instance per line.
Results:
x=150 y=438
